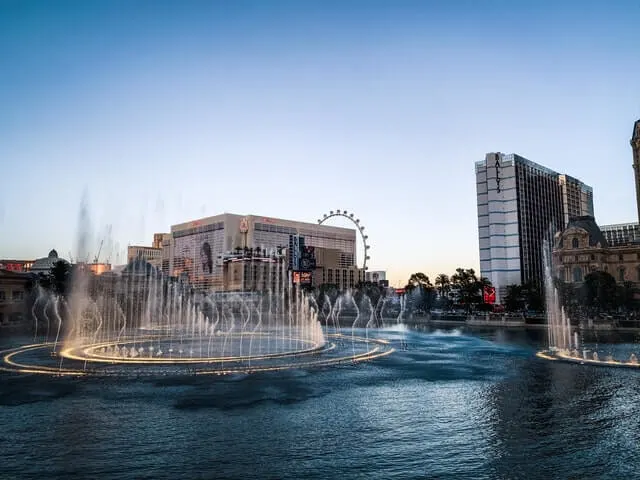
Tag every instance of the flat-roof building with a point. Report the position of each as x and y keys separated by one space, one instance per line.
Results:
x=197 y=247
x=520 y=205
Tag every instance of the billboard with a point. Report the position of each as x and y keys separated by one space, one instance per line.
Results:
x=301 y=257
x=302 y=278
x=195 y=255
x=376 y=276
x=489 y=295
x=307 y=258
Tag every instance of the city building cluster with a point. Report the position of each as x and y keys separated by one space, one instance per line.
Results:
x=525 y=209
x=222 y=253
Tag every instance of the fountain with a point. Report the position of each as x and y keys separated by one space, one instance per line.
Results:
x=141 y=322
x=563 y=345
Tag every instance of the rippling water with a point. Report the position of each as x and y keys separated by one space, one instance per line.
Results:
x=445 y=405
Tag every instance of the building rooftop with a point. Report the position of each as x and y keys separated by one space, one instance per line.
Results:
x=588 y=224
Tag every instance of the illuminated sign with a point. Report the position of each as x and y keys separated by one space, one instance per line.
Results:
x=302 y=278
x=294 y=243
x=489 y=295
x=497 y=174
x=13 y=266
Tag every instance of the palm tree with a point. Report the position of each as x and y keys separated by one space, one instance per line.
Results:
x=470 y=286
x=443 y=284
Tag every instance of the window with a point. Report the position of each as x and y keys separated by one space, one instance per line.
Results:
x=620 y=257
x=593 y=257
x=577 y=274
x=575 y=243
x=621 y=272
x=17 y=295
x=2 y=297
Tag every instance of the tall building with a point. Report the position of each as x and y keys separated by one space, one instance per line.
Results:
x=520 y=204
x=197 y=247
x=635 y=147
x=577 y=198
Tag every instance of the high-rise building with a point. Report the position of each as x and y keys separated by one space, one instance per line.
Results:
x=520 y=204
x=635 y=146
x=576 y=197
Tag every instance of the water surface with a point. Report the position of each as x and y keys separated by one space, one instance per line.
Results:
x=445 y=405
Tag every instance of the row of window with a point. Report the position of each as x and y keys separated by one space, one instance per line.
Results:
x=577 y=274
x=11 y=317
x=16 y=295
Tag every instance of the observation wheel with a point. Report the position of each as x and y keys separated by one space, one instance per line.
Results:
x=356 y=221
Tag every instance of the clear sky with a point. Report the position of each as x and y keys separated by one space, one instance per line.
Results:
x=170 y=111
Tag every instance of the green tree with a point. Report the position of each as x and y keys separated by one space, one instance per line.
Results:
x=327 y=293
x=514 y=300
x=420 y=291
x=371 y=290
x=469 y=286
x=533 y=297
x=443 y=284
x=60 y=277
x=626 y=296
x=599 y=291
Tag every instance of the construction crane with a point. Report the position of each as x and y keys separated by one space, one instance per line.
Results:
x=95 y=260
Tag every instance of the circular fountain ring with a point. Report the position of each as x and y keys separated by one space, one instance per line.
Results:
x=568 y=357
x=99 y=359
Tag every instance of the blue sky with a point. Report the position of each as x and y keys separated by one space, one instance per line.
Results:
x=169 y=111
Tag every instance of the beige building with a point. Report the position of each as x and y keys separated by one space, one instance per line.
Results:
x=153 y=255
x=582 y=248
x=262 y=271
x=13 y=301
x=198 y=248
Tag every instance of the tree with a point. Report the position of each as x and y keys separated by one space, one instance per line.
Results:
x=327 y=293
x=599 y=291
x=469 y=285
x=533 y=296
x=514 y=300
x=60 y=277
x=443 y=284
x=371 y=290
x=420 y=292
x=626 y=296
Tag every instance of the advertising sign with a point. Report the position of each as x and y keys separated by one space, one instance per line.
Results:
x=307 y=259
x=489 y=295
x=302 y=278
x=294 y=257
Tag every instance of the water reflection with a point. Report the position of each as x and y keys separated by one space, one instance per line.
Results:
x=451 y=404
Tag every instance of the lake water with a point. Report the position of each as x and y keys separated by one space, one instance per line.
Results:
x=445 y=405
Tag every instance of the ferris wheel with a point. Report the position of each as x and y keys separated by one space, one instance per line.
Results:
x=356 y=221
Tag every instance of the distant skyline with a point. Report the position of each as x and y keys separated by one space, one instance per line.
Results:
x=169 y=111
